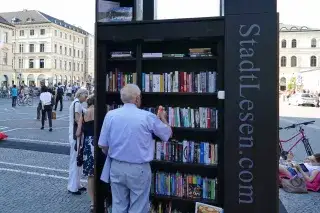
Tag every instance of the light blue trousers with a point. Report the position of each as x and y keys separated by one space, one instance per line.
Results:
x=130 y=186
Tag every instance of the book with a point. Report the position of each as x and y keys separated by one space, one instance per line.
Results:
x=205 y=208
x=184 y=185
x=116 y=80
x=201 y=82
x=186 y=152
x=104 y=7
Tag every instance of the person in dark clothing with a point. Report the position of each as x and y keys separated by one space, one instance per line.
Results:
x=59 y=96
x=46 y=102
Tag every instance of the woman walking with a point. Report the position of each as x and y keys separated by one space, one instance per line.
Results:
x=46 y=102
x=86 y=127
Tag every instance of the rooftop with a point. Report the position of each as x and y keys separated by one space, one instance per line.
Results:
x=37 y=17
x=295 y=28
x=4 y=21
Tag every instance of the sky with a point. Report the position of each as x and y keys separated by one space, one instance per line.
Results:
x=82 y=12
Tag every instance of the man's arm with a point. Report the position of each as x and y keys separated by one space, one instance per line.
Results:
x=160 y=128
x=103 y=139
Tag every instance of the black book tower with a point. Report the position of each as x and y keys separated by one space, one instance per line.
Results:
x=218 y=80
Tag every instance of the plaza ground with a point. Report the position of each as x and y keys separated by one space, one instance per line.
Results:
x=34 y=162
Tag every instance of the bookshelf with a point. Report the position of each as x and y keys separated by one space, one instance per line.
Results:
x=179 y=84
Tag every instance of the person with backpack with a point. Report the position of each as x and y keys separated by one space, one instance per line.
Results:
x=59 y=97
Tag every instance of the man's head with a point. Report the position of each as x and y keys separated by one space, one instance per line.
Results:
x=59 y=84
x=14 y=86
x=131 y=94
x=44 y=89
x=82 y=95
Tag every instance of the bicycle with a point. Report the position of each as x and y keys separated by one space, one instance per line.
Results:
x=302 y=138
x=22 y=101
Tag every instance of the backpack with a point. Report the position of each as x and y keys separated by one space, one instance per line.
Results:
x=60 y=91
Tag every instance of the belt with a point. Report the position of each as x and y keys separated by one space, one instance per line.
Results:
x=119 y=161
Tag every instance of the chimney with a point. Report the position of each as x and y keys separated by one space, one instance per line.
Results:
x=25 y=10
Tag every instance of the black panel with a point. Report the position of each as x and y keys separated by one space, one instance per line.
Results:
x=251 y=113
x=160 y=30
x=249 y=6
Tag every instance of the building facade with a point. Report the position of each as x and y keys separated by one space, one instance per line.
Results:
x=47 y=49
x=89 y=75
x=299 y=56
x=6 y=55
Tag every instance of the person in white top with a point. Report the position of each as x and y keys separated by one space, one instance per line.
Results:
x=46 y=102
x=75 y=112
x=69 y=91
x=312 y=163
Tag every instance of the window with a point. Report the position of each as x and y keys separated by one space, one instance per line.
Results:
x=42 y=31
x=5 y=58
x=32 y=32
x=305 y=96
x=60 y=49
x=21 y=32
x=55 y=33
x=81 y=41
x=283 y=43
x=55 y=63
x=78 y=40
x=70 y=66
x=78 y=67
x=293 y=61
x=283 y=61
x=12 y=32
x=81 y=54
x=5 y=39
x=70 y=52
x=74 y=66
x=313 y=42
x=78 y=53
x=41 y=63
x=294 y=43
x=55 y=48
x=31 y=63
x=21 y=48
x=65 y=50
x=70 y=37
x=60 y=34
x=60 y=64
x=313 y=61
x=74 y=53
x=20 y=63
x=81 y=67
x=65 y=65
x=42 y=48
x=65 y=36
x=31 y=48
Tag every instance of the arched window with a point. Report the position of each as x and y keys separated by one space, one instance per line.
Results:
x=294 y=43
x=293 y=61
x=283 y=83
x=283 y=61
x=283 y=43
x=313 y=61
x=313 y=42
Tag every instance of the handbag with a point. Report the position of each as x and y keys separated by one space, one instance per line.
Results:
x=80 y=153
x=53 y=115
x=75 y=124
x=294 y=185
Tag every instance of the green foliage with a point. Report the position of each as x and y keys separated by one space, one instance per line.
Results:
x=292 y=84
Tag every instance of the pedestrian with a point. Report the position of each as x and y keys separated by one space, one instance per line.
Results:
x=59 y=97
x=69 y=92
x=75 y=112
x=46 y=99
x=14 y=94
x=126 y=138
x=86 y=127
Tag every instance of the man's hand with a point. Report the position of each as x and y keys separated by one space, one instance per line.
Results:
x=162 y=114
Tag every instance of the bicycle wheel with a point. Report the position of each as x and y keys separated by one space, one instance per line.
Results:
x=19 y=102
x=30 y=101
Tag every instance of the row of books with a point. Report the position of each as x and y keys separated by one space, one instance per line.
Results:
x=201 y=117
x=123 y=54
x=200 y=52
x=117 y=80
x=180 y=82
x=162 y=207
x=187 y=152
x=183 y=185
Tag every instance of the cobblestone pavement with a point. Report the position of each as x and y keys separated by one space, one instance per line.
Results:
x=34 y=163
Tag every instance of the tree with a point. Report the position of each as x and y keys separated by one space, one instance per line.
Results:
x=292 y=84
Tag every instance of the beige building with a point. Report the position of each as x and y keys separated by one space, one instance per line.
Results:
x=47 y=49
x=299 y=56
x=6 y=56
